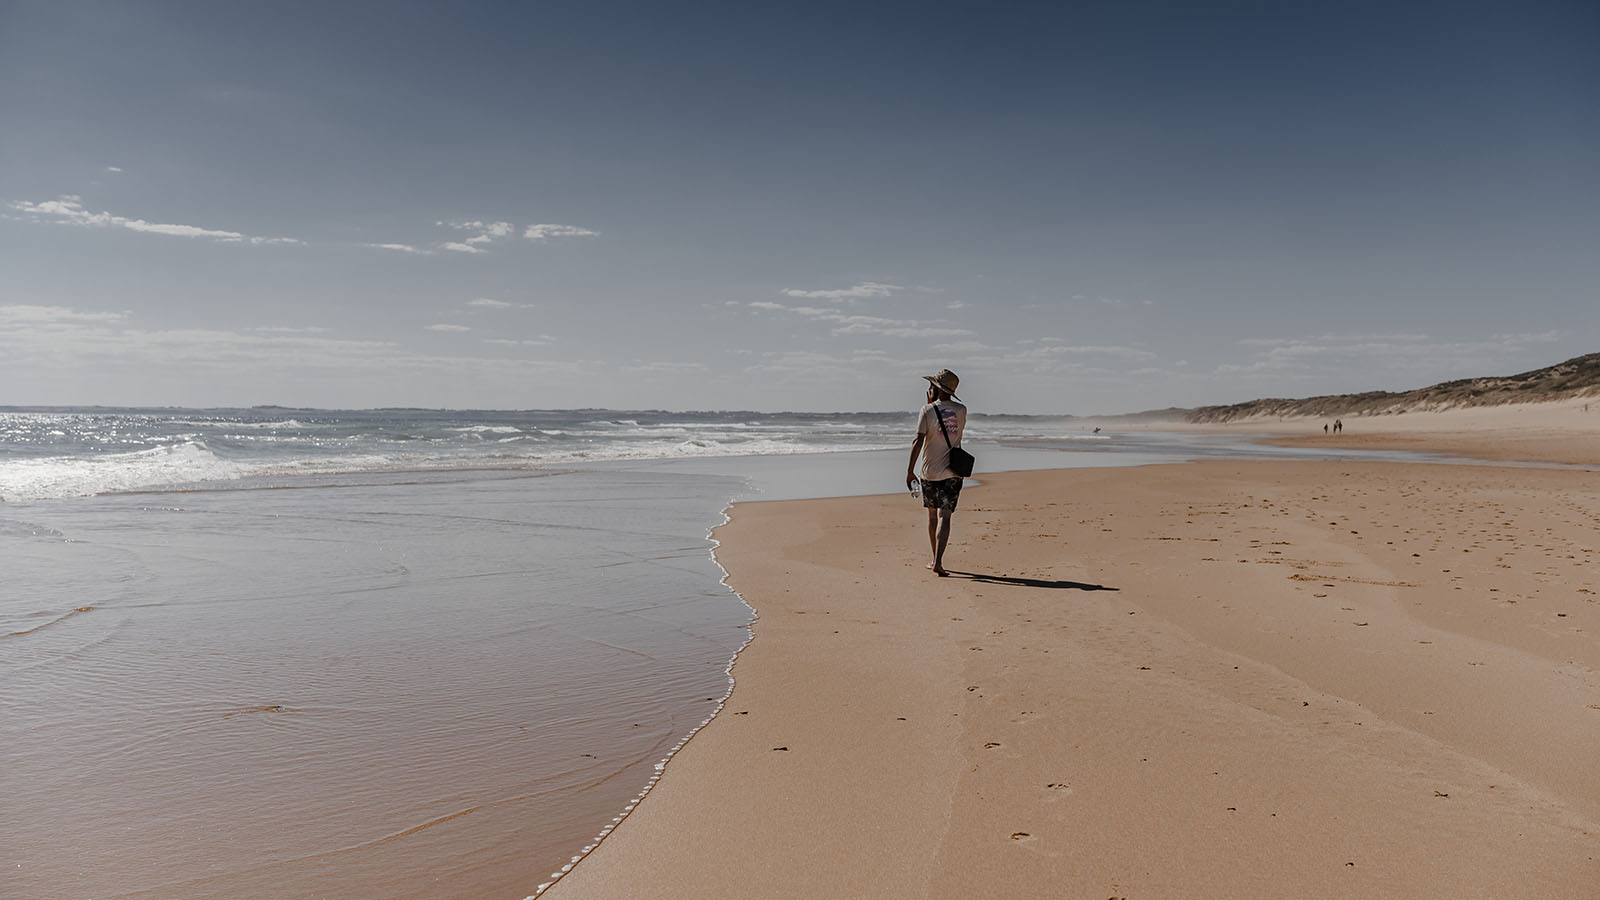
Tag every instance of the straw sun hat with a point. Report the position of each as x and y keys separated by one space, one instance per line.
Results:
x=946 y=380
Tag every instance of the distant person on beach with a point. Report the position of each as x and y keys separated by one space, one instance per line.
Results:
x=1324 y=427
x=1338 y=425
x=941 y=487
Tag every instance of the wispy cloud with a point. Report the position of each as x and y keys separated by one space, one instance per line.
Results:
x=491 y=304
x=1403 y=355
x=284 y=330
x=449 y=328
x=482 y=236
x=1057 y=349
x=1110 y=301
x=1041 y=360
x=483 y=233
x=489 y=232
x=27 y=314
x=663 y=368
x=115 y=170
x=845 y=324
x=859 y=291
x=839 y=371
x=55 y=335
x=1543 y=337
x=897 y=329
x=1380 y=337
x=1281 y=358
x=540 y=233
x=48 y=352
x=543 y=340
x=68 y=209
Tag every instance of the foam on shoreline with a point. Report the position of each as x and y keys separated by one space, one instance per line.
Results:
x=661 y=765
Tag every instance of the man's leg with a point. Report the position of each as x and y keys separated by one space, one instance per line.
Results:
x=940 y=540
x=933 y=538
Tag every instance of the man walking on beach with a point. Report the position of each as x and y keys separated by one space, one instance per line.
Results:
x=939 y=428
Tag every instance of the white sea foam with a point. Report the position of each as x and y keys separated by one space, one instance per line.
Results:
x=49 y=477
x=192 y=462
x=268 y=424
x=700 y=447
x=186 y=464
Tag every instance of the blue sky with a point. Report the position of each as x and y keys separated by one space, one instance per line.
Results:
x=1080 y=208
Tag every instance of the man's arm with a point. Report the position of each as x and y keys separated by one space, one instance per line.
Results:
x=911 y=464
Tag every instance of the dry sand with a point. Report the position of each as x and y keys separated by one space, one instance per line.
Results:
x=1262 y=679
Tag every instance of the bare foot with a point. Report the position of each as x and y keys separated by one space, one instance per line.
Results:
x=938 y=569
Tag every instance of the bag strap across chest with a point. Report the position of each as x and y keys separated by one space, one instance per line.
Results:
x=940 y=419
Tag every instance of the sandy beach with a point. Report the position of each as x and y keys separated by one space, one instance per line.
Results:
x=1220 y=679
x=464 y=457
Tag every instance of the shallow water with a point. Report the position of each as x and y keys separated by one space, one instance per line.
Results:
x=405 y=689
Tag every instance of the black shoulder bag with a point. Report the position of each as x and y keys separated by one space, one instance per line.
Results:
x=960 y=460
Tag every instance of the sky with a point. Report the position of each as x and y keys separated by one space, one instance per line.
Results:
x=1080 y=208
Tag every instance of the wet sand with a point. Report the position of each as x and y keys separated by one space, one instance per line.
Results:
x=1252 y=679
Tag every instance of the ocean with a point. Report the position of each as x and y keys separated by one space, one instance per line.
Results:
x=398 y=653
x=49 y=454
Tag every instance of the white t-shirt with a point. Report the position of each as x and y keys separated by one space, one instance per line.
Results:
x=935 y=452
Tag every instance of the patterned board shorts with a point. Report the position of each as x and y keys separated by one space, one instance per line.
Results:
x=941 y=494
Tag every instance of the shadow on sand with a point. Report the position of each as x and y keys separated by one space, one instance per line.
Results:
x=1031 y=582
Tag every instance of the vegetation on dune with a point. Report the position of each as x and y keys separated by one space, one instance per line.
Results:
x=1577 y=377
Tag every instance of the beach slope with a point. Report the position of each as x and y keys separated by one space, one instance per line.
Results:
x=1253 y=679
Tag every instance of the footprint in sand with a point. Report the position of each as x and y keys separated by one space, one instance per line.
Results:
x=991 y=745
x=1056 y=790
x=1022 y=836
